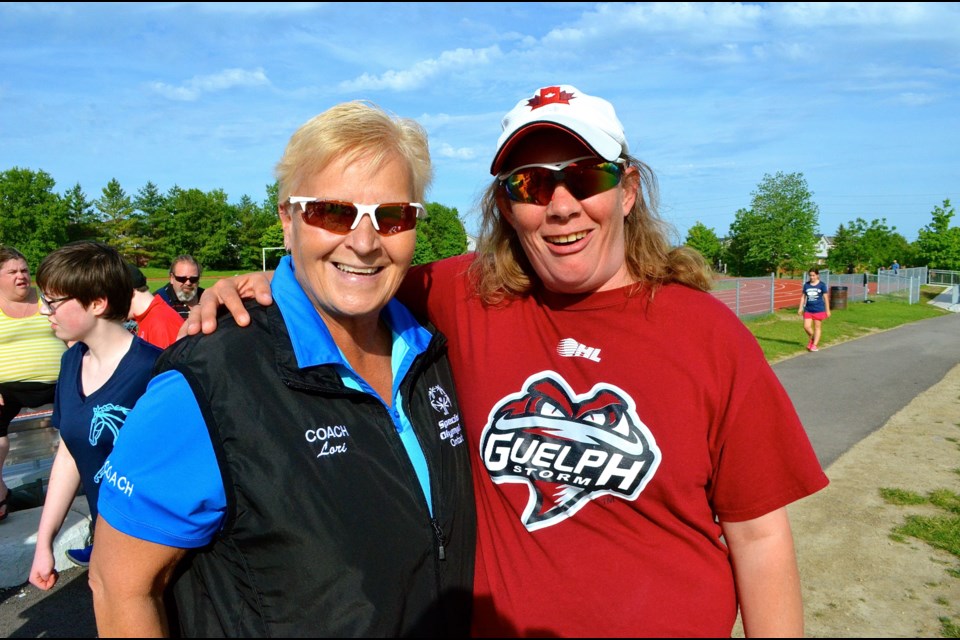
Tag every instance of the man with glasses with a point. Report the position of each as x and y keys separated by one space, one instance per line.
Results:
x=183 y=291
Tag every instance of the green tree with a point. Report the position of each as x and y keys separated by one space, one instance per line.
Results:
x=270 y=203
x=148 y=200
x=221 y=249
x=440 y=235
x=866 y=247
x=84 y=223
x=254 y=221
x=147 y=203
x=159 y=218
x=203 y=225
x=844 y=255
x=121 y=223
x=938 y=244
x=271 y=237
x=883 y=245
x=740 y=262
x=705 y=240
x=779 y=232
x=33 y=218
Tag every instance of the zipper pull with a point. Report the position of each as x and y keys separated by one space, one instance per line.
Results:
x=441 y=541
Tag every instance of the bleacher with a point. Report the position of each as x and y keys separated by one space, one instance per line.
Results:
x=33 y=444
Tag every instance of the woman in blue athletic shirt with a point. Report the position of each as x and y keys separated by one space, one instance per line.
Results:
x=85 y=292
x=814 y=307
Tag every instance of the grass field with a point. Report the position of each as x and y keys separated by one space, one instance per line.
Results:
x=157 y=277
x=781 y=334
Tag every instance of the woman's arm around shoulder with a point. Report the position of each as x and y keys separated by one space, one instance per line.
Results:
x=229 y=293
x=128 y=577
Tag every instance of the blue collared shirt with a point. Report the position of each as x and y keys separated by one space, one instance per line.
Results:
x=179 y=499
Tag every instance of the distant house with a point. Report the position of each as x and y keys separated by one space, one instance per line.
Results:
x=822 y=249
x=471 y=243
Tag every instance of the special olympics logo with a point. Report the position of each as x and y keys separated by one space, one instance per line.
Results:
x=439 y=400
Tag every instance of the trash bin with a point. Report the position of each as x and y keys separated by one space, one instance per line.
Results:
x=838 y=298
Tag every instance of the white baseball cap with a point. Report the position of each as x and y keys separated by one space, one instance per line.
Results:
x=592 y=120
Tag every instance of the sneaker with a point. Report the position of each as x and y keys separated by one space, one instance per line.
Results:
x=80 y=557
x=809 y=346
x=813 y=347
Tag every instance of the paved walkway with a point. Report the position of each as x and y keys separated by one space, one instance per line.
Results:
x=842 y=393
x=845 y=392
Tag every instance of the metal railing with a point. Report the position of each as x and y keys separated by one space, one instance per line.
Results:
x=903 y=282
x=941 y=276
x=753 y=296
x=949 y=279
x=766 y=294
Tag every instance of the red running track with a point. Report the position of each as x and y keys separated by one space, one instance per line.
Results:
x=755 y=295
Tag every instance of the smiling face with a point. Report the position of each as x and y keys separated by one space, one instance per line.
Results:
x=575 y=246
x=350 y=278
x=15 y=280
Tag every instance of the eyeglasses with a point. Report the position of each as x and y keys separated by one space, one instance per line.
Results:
x=186 y=279
x=534 y=183
x=56 y=301
x=343 y=217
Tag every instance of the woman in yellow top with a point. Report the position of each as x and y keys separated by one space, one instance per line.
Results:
x=29 y=352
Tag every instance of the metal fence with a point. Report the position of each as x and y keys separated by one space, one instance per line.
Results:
x=948 y=279
x=765 y=294
x=747 y=296
x=940 y=276
x=903 y=282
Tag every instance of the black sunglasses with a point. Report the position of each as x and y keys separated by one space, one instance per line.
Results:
x=186 y=279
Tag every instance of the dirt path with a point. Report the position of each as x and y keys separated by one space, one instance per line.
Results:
x=857 y=581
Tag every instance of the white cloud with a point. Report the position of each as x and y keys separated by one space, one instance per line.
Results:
x=198 y=85
x=915 y=99
x=422 y=72
x=892 y=15
x=463 y=153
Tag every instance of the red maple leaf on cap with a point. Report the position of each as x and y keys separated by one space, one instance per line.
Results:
x=549 y=95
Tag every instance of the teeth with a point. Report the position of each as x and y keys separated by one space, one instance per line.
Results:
x=364 y=271
x=567 y=239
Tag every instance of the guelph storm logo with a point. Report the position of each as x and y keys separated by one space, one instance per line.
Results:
x=568 y=449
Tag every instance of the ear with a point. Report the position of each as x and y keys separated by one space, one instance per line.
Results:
x=98 y=307
x=504 y=205
x=631 y=189
x=286 y=221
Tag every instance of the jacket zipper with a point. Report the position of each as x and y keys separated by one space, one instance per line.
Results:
x=441 y=539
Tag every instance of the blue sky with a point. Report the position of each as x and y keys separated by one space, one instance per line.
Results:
x=860 y=98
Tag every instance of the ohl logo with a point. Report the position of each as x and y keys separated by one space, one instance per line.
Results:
x=567 y=448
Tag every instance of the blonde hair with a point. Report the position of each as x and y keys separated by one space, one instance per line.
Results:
x=350 y=131
x=501 y=270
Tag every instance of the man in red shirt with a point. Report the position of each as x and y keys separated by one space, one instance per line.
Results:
x=157 y=322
